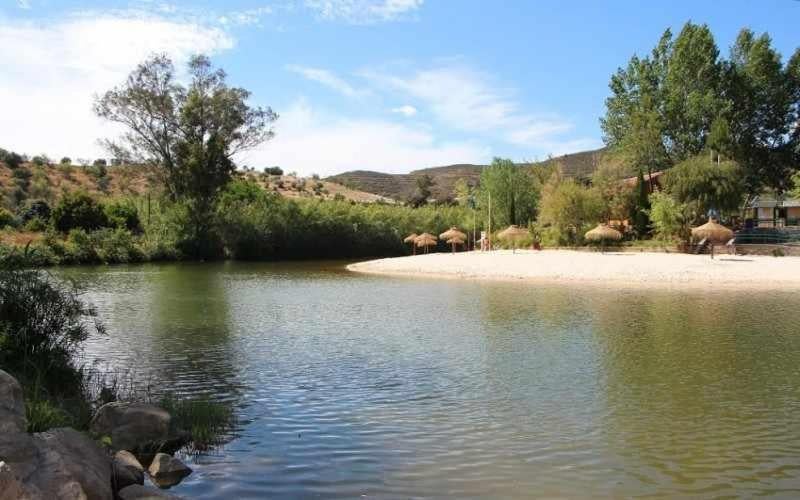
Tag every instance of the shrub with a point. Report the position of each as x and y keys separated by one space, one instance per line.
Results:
x=40 y=160
x=11 y=159
x=66 y=160
x=100 y=162
x=669 y=217
x=123 y=214
x=7 y=218
x=44 y=325
x=34 y=209
x=37 y=224
x=78 y=210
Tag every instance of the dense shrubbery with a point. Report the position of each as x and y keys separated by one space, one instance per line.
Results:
x=123 y=214
x=78 y=210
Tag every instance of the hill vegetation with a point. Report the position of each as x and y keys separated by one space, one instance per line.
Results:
x=401 y=187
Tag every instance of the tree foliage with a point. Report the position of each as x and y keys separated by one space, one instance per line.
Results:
x=514 y=192
x=191 y=132
x=705 y=186
x=567 y=210
x=684 y=99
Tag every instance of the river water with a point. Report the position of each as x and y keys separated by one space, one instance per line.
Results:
x=348 y=385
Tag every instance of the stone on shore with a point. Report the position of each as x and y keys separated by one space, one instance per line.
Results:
x=132 y=426
x=139 y=492
x=11 y=488
x=127 y=470
x=167 y=471
x=12 y=405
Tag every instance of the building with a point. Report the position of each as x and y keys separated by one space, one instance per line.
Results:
x=768 y=210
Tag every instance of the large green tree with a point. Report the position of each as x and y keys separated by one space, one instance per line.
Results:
x=765 y=116
x=684 y=99
x=192 y=132
x=513 y=190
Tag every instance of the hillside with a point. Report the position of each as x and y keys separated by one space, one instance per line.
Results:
x=401 y=186
x=49 y=182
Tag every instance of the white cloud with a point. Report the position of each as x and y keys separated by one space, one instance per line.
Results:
x=326 y=78
x=363 y=11
x=468 y=100
x=24 y=4
x=247 y=17
x=311 y=142
x=407 y=110
x=51 y=72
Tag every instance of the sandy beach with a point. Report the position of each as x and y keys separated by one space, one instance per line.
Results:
x=662 y=270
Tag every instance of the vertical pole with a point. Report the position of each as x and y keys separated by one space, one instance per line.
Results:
x=489 y=233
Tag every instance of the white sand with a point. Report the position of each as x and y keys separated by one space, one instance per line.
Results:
x=607 y=270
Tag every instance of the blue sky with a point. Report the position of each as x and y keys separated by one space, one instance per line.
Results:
x=388 y=85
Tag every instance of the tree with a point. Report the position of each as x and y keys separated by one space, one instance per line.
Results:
x=706 y=186
x=464 y=192
x=670 y=218
x=66 y=161
x=615 y=194
x=764 y=130
x=567 y=210
x=100 y=162
x=513 y=190
x=192 y=133
x=422 y=191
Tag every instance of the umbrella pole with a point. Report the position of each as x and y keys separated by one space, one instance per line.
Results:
x=712 y=251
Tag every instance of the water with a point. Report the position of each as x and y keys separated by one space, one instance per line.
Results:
x=348 y=385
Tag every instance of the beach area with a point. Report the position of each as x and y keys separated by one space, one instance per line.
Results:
x=610 y=269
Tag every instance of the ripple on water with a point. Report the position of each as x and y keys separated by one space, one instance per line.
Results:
x=351 y=385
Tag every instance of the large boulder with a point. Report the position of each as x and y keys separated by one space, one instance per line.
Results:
x=11 y=488
x=167 y=471
x=139 y=492
x=132 y=426
x=12 y=405
x=127 y=470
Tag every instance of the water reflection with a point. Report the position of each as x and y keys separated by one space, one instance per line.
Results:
x=351 y=385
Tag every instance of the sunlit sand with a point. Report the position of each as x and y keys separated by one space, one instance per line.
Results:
x=611 y=269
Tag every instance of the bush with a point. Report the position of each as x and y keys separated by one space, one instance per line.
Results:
x=40 y=160
x=7 y=218
x=66 y=160
x=11 y=159
x=123 y=214
x=78 y=210
x=34 y=209
x=44 y=324
x=669 y=217
x=37 y=224
x=273 y=171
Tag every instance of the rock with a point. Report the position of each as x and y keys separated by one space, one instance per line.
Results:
x=132 y=426
x=73 y=461
x=127 y=470
x=12 y=488
x=167 y=471
x=139 y=492
x=12 y=405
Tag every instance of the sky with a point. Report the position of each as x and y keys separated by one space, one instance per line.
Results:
x=386 y=85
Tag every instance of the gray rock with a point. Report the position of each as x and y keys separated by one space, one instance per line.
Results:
x=12 y=405
x=132 y=426
x=74 y=463
x=11 y=488
x=138 y=492
x=167 y=471
x=127 y=470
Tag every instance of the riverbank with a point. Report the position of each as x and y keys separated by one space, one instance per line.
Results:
x=611 y=269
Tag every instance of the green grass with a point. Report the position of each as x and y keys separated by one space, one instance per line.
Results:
x=207 y=421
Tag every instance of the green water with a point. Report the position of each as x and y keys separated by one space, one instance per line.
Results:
x=348 y=385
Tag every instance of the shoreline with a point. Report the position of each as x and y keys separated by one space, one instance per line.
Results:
x=601 y=270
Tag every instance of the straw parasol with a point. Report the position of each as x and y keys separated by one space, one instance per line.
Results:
x=455 y=241
x=453 y=232
x=411 y=238
x=513 y=233
x=713 y=232
x=425 y=240
x=603 y=233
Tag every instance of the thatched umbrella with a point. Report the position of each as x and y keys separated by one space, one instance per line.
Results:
x=453 y=232
x=603 y=233
x=713 y=233
x=425 y=240
x=455 y=241
x=513 y=233
x=411 y=238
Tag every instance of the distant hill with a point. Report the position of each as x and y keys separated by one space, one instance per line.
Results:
x=50 y=182
x=401 y=186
